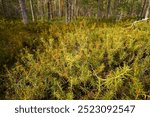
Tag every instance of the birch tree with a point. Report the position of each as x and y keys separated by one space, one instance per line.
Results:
x=142 y=11
x=49 y=9
x=67 y=11
x=76 y=8
x=23 y=11
x=32 y=10
x=147 y=10
x=59 y=8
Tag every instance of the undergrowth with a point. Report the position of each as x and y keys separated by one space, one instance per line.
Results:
x=80 y=60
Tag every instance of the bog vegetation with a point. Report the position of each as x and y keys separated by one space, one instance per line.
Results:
x=84 y=59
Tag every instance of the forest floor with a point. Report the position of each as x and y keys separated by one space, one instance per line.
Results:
x=84 y=59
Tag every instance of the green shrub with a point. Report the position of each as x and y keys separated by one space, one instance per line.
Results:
x=83 y=61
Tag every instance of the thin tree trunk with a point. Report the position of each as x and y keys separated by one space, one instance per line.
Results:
x=67 y=11
x=75 y=9
x=142 y=11
x=70 y=10
x=99 y=10
x=40 y=5
x=32 y=11
x=147 y=10
x=117 y=13
x=23 y=11
x=59 y=8
x=4 y=8
x=62 y=8
x=38 y=10
x=108 y=8
x=49 y=10
x=132 y=8
x=54 y=8
x=42 y=10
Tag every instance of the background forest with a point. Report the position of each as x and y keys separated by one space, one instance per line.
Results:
x=74 y=49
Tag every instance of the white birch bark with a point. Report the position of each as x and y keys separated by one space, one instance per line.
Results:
x=23 y=11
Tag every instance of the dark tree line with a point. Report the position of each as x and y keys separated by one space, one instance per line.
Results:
x=69 y=9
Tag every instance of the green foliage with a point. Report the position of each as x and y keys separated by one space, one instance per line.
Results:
x=80 y=60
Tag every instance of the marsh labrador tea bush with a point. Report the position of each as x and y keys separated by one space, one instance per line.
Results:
x=80 y=60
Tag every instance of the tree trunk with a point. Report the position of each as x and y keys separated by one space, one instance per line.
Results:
x=42 y=10
x=40 y=5
x=59 y=8
x=62 y=8
x=118 y=13
x=147 y=10
x=32 y=11
x=23 y=11
x=142 y=11
x=67 y=11
x=132 y=8
x=99 y=10
x=3 y=8
x=108 y=8
x=54 y=8
x=70 y=10
x=49 y=10
x=76 y=8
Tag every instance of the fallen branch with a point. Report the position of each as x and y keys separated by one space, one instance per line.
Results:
x=142 y=20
